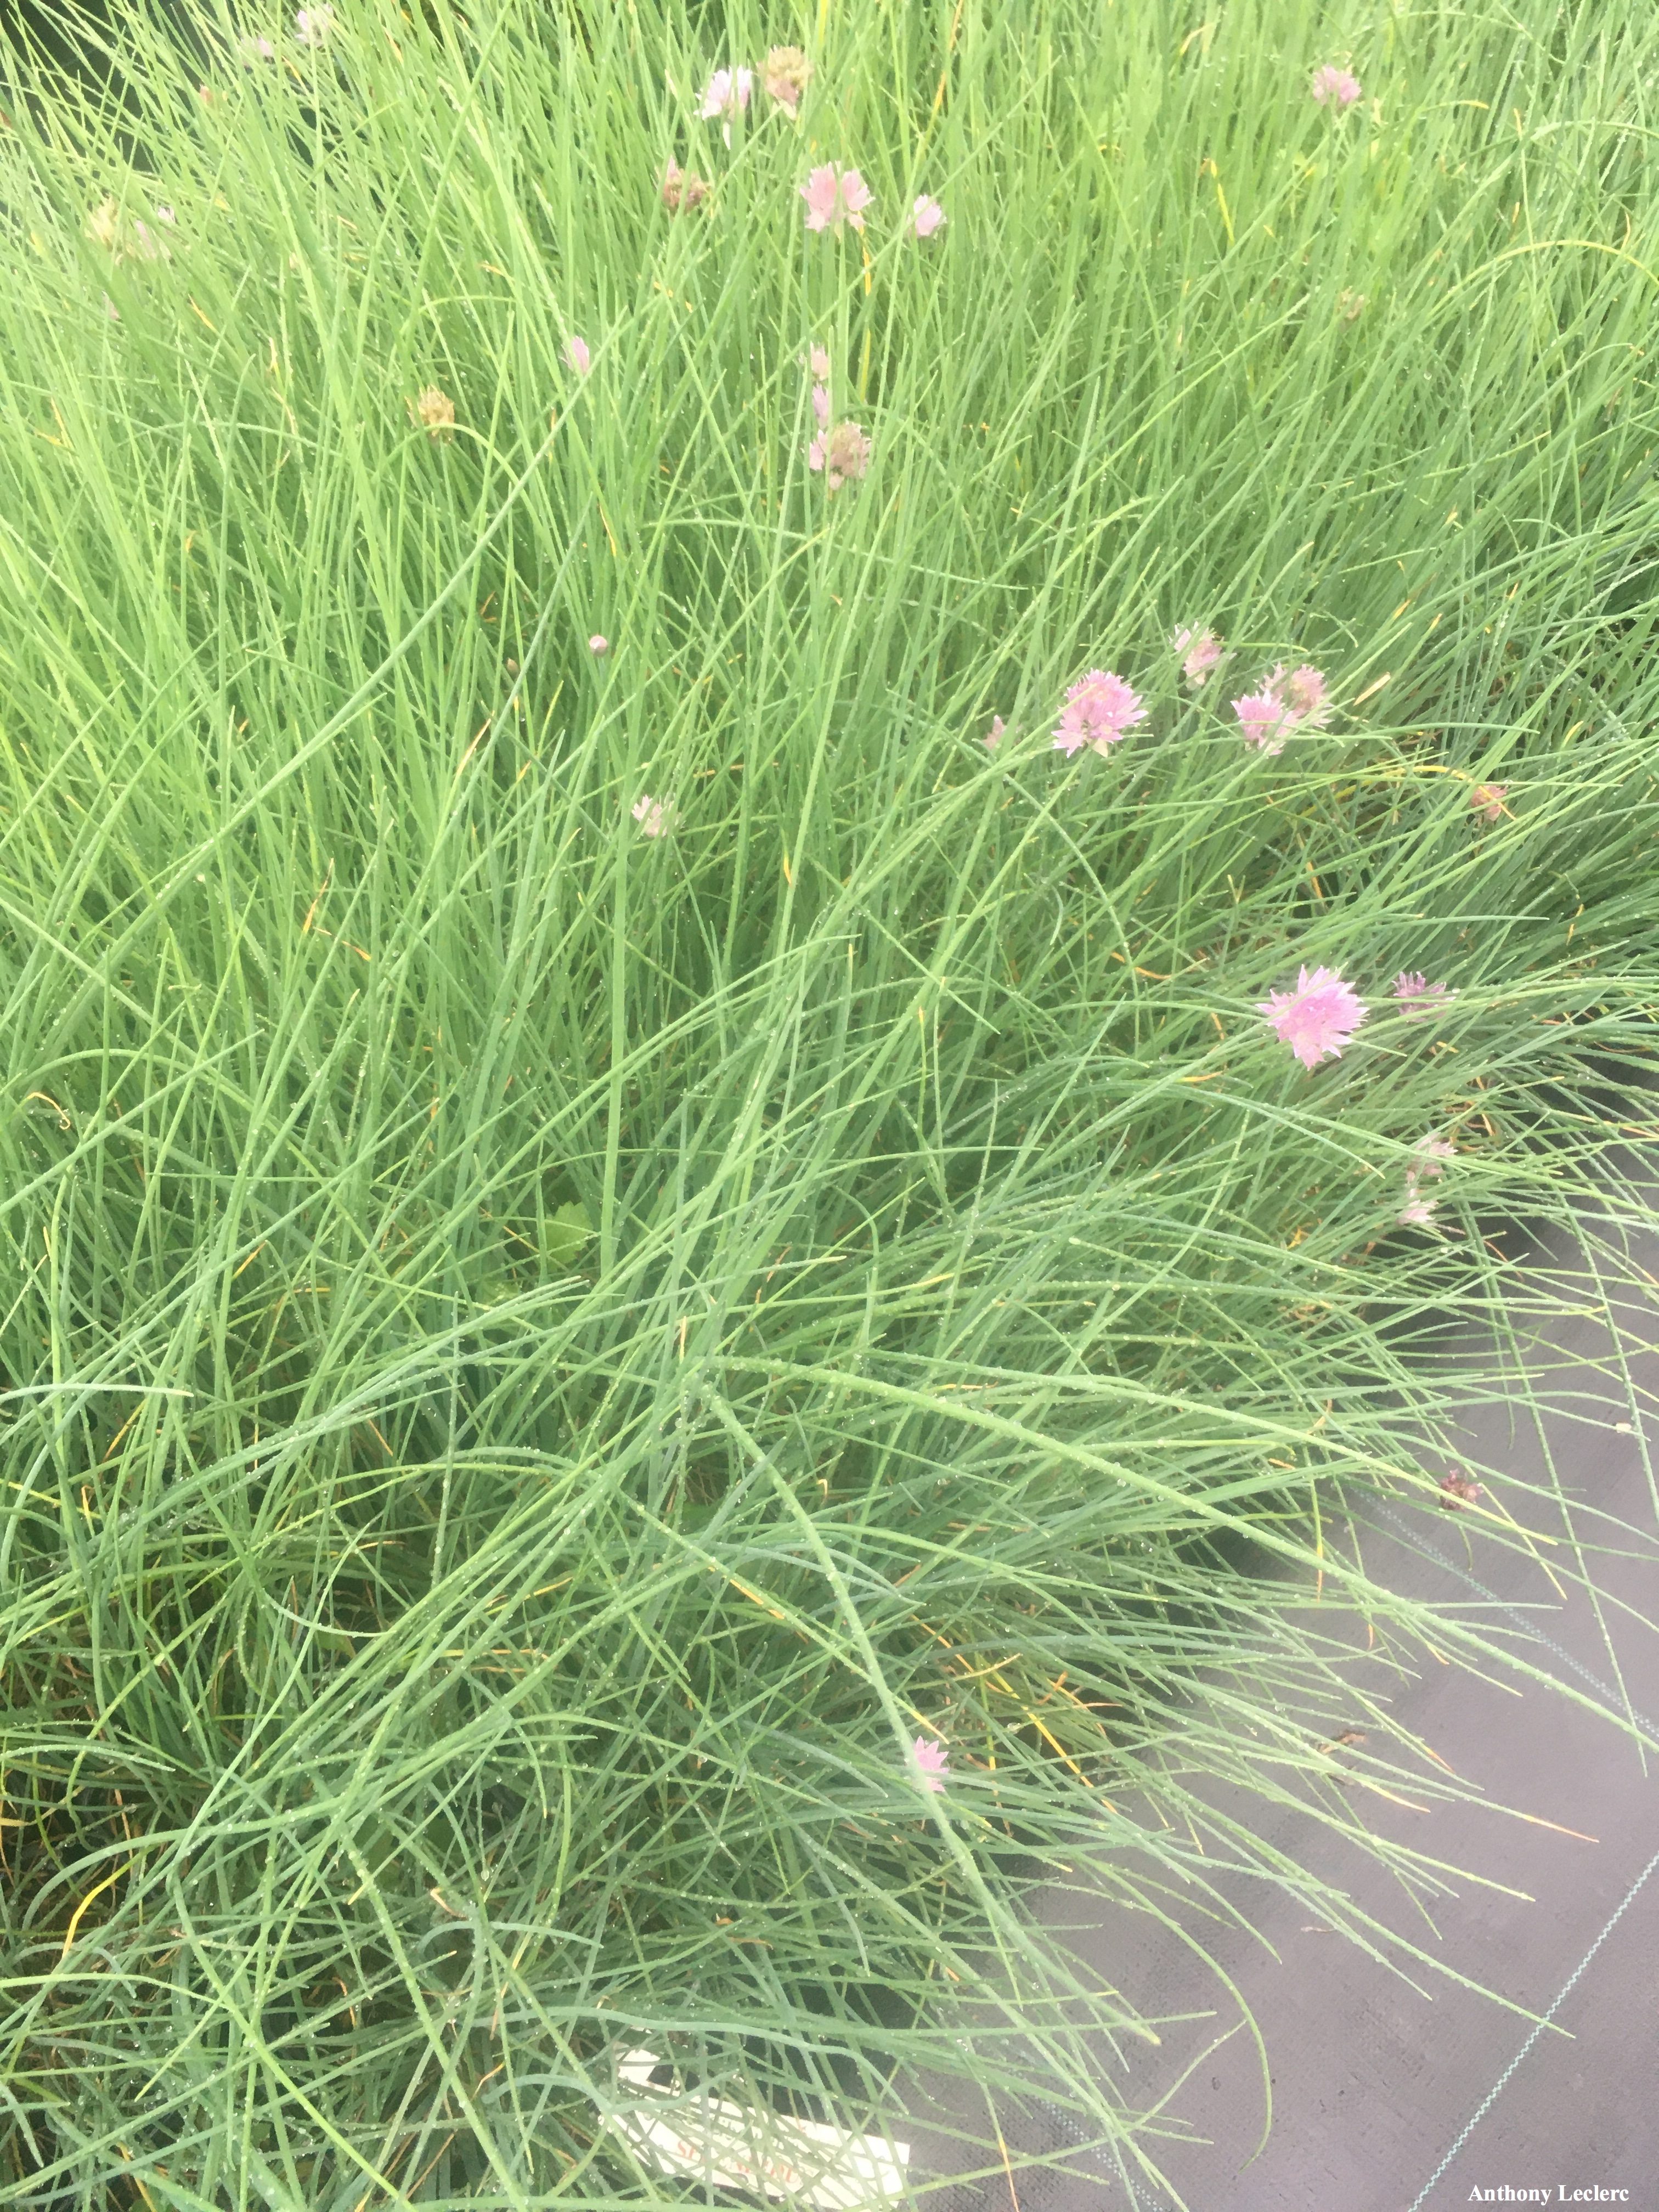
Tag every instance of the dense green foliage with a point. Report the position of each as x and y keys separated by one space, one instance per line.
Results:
x=536 y=1359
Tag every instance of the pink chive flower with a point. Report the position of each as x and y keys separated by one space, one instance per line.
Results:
x=1418 y=1211
x=841 y=453
x=1419 y=998
x=1334 y=85
x=111 y=309
x=577 y=356
x=995 y=735
x=312 y=25
x=1319 y=1017
x=926 y=215
x=597 y=645
x=818 y=361
x=680 y=190
x=930 y=1758
x=654 y=815
x=1099 y=710
x=1203 y=654
x=1303 y=689
x=249 y=51
x=1458 y=1490
x=835 y=196
x=1261 y=716
x=1487 y=799
x=1429 y=1156
x=821 y=404
x=727 y=92
x=786 y=76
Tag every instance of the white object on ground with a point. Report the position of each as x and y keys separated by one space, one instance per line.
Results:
x=737 y=2147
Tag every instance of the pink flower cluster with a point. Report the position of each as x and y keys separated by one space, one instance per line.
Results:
x=834 y=197
x=1321 y=1014
x=784 y=77
x=1100 y=709
x=1427 y=1162
x=1419 y=998
x=841 y=451
x=1335 y=88
x=727 y=93
x=1203 y=654
x=931 y=1758
x=1319 y=1017
x=1283 y=705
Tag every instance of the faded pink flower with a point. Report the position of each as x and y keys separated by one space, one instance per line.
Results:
x=1418 y=1211
x=434 y=413
x=994 y=736
x=1419 y=998
x=1203 y=654
x=727 y=91
x=654 y=815
x=598 y=646
x=680 y=190
x=111 y=309
x=1304 y=691
x=931 y=1758
x=577 y=356
x=842 y=453
x=786 y=76
x=1487 y=799
x=821 y=404
x=165 y=215
x=818 y=361
x=1429 y=1156
x=926 y=215
x=1319 y=1017
x=1262 y=716
x=835 y=196
x=1334 y=85
x=249 y=51
x=312 y=25
x=1458 y=1490
x=1100 y=709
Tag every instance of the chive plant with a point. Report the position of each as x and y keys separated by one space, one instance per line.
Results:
x=804 y=818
